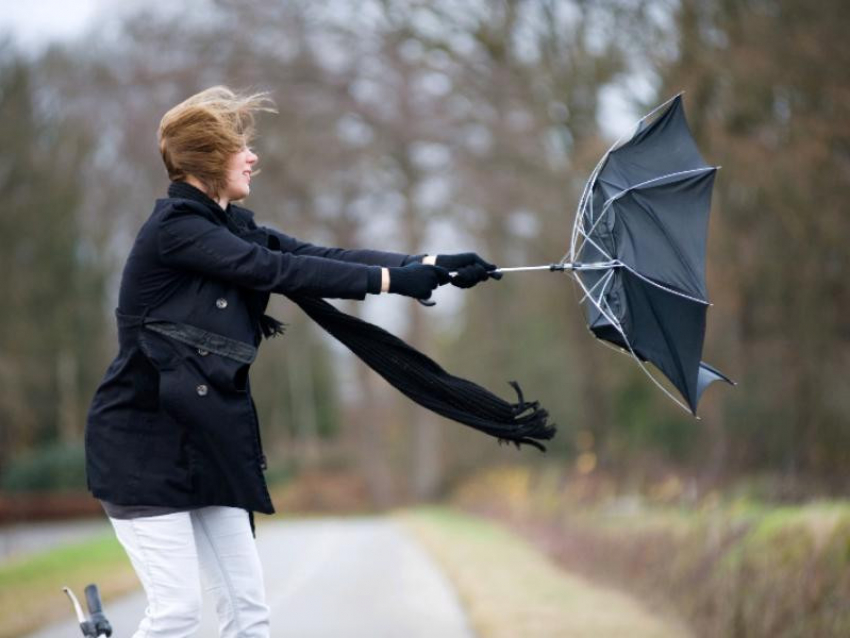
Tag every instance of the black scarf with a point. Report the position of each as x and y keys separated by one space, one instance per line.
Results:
x=411 y=372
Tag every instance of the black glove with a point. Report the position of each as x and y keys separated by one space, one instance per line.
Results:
x=417 y=280
x=470 y=269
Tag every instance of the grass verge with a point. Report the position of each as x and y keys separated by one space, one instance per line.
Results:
x=510 y=589
x=31 y=587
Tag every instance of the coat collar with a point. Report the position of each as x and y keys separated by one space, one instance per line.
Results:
x=184 y=190
x=236 y=222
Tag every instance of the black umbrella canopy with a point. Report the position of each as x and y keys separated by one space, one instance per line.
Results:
x=639 y=244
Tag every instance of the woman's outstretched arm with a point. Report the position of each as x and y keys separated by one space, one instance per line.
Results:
x=189 y=239
x=290 y=244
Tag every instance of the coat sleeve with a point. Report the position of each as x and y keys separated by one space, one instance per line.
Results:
x=188 y=239
x=290 y=244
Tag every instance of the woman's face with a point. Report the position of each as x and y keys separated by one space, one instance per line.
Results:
x=239 y=170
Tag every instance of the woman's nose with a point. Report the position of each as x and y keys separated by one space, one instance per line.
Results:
x=252 y=157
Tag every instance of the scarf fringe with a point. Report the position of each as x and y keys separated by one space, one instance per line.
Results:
x=271 y=327
x=533 y=426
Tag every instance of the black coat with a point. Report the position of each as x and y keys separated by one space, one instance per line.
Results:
x=173 y=422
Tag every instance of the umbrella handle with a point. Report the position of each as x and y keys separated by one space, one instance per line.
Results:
x=550 y=268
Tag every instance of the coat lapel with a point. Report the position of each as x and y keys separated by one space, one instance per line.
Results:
x=241 y=223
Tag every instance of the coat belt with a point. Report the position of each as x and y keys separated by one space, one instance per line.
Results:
x=193 y=336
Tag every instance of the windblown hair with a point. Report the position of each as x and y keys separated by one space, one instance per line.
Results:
x=198 y=136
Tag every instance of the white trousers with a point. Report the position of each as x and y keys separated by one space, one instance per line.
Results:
x=175 y=554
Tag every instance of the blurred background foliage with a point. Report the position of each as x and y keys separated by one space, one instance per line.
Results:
x=439 y=127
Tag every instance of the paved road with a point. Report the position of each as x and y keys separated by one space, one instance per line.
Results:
x=325 y=578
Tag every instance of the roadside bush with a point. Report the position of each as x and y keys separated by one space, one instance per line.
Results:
x=726 y=567
x=58 y=466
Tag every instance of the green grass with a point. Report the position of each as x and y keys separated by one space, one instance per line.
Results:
x=31 y=587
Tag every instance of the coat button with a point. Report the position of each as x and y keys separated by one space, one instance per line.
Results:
x=203 y=352
x=202 y=390
x=221 y=302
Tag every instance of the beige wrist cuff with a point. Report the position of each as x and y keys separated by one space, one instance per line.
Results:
x=385 y=280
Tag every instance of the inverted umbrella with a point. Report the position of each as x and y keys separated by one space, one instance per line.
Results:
x=638 y=249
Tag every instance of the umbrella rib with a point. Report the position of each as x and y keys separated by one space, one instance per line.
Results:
x=578 y=228
x=588 y=186
x=608 y=316
x=611 y=199
x=672 y=291
x=618 y=326
x=581 y=211
x=637 y=124
x=598 y=247
x=593 y=227
x=658 y=383
x=609 y=277
x=668 y=341
x=608 y=205
x=592 y=288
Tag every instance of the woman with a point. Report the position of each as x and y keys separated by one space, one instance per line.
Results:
x=173 y=447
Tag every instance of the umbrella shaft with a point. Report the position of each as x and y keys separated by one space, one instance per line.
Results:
x=602 y=265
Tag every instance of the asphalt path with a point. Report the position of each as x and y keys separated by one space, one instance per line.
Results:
x=362 y=577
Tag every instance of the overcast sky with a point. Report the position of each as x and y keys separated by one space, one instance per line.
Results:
x=36 y=23
x=33 y=24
